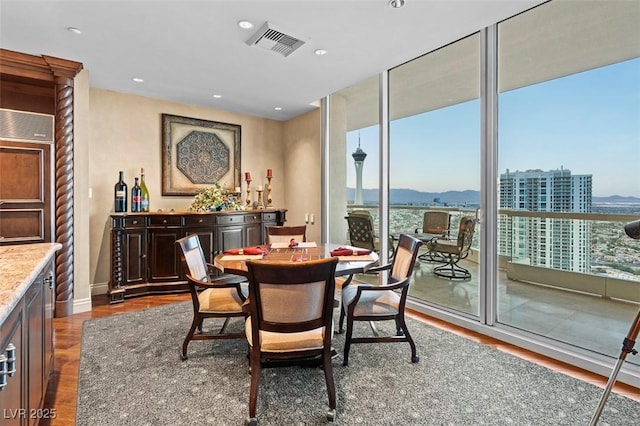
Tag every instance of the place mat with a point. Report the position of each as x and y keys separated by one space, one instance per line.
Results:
x=241 y=257
x=361 y=258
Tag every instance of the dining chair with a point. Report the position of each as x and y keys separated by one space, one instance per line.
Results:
x=437 y=223
x=453 y=251
x=369 y=302
x=211 y=297
x=284 y=234
x=290 y=316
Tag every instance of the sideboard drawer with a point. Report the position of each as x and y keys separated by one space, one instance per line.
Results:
x=132 y=222
x=165 y=220
x=253 y=218
x=199 y=220
x=231 y=219
x=269 y=217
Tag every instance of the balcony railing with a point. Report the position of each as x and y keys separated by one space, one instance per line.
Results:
x=587 y=252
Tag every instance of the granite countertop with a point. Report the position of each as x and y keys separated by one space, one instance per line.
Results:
x=19 y=266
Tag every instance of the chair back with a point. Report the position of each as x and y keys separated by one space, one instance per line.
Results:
x=284 y=234
x=465 y=234
x=193 y=257
x=436 y=222
x=290 y=297
x=361 y=231
x=405 y=257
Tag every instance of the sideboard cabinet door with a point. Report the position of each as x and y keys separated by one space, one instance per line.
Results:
x=164 y=260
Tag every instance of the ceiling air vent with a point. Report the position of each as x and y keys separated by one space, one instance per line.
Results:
x=273 y=39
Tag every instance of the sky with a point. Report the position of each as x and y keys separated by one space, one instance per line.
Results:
x=588 y=123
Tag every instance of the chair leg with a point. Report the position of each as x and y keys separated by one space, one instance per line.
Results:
x=452 y=270
x=340 y=328
x=414 y=352
x=347 y=342
x=196 y=322
x=224 y=326
x=255 y=382
x=331 y=388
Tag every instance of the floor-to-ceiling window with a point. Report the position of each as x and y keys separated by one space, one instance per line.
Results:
x=569 y=149
x=564 y=124
x=434 y=160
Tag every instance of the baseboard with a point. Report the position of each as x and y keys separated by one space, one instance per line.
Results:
x=99 y=288
x=81 y=305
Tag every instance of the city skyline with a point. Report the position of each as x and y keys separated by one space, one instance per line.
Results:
x=587 y=122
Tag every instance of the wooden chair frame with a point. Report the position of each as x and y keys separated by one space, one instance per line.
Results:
x=283 y=274
x=286 y=231
x=202 y=283
x=395 y=283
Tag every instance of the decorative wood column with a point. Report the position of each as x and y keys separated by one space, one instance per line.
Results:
x=63 y=73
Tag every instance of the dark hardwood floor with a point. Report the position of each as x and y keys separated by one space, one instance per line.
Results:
x=62 y=392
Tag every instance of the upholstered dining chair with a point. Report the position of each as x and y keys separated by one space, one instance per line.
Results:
x=453 y=251
x=369 y=302
x=290 y=315
x=284 y=234
x=211 y=297
x=437 y=223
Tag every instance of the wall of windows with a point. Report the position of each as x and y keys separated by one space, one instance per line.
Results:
x=532 y=126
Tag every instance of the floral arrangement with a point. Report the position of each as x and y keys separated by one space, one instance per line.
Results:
x=214 y=198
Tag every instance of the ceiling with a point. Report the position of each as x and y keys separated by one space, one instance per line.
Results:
x=187 y=51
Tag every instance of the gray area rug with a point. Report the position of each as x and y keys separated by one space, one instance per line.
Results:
x=131 y=374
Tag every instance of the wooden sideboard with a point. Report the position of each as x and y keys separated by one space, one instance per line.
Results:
x=146 y=260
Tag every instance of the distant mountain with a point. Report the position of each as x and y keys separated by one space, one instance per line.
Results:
x=413 y=197
x=454 y=198
x=614 y=199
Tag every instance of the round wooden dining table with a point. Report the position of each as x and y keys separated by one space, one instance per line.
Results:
x=348 y=265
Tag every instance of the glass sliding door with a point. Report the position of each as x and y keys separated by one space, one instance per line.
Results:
x=434 y=164
x=568 y=155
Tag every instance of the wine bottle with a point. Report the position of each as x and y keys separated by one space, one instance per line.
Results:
x=136 y=199
x=120 y=195
x=144 y=193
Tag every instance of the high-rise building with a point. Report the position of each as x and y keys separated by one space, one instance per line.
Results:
x=553 y=242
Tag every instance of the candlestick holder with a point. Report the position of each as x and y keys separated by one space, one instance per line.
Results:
x=269 y=199
x=248 y=200
x=260 y=204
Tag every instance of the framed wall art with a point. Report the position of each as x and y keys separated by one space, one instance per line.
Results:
x=196 y=153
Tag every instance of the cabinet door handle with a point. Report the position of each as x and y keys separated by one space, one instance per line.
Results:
x=144 y=256
x=135 y=222
x=3 y=372
x=164 y=221
x=200 y=221
x=49 y=281
x=11 y=359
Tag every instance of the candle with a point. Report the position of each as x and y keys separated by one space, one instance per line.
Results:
x=259 y=187
x=247 y=176
x=269 y=173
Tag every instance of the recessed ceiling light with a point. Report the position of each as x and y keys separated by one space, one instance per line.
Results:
x=74 y=30
x=278 y=108
x=396 y=4
x=320 y=52
x=138 y=80
x=217 y=96
x=245 y=24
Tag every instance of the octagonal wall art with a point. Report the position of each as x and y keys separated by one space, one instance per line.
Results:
x=196 y=153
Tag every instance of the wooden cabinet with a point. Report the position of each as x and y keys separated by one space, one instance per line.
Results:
x=26 y=346
x=145 y=258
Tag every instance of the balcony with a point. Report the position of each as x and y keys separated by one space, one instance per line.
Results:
x=592 y=310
